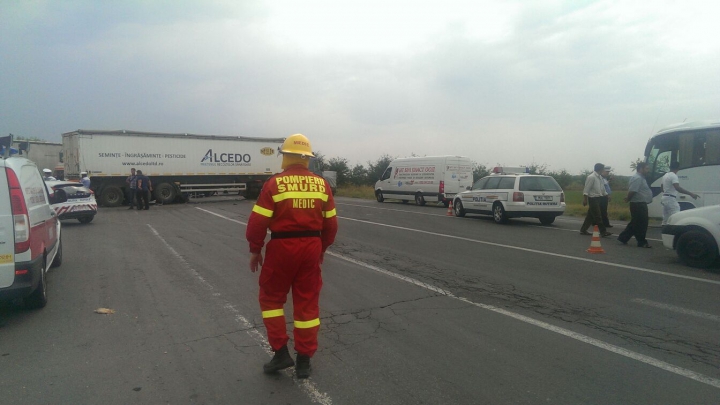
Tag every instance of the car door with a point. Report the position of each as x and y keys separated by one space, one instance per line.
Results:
x=43 y=220
x=471 y=197
x=489 y=194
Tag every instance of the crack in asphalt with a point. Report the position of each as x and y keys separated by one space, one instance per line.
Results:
x=661 y=339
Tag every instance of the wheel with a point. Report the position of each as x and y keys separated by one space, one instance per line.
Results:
x=419 y=199
x=57 y=261
x=379 y=196
x=458 y=209
x=38 y=298
x=164 y=193
x=112 y=196
x=87 y=219
x=697 y=249
x=547 y=220
x=499 y=213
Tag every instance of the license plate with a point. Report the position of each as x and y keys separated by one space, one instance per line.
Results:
x=543 y=198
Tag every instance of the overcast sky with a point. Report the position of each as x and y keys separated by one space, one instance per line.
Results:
x=562 y=83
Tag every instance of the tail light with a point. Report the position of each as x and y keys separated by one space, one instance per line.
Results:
x=562 y=197
x=518 y=197
x=20 y=213
x=442 y=187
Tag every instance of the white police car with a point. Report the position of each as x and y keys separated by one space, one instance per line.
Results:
x=510 y=192
x=80 y=204
x=695 y=235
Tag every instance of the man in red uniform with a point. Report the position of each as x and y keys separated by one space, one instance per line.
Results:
x=299 y=209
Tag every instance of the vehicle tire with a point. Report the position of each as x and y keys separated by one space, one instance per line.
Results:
x=87 y=219
x=38 y=298
x=458 y=209
x=112 y=196
x=164 y=193
x=697 y=249
x=499 y=214
x=547 y=219
x=379 y=196
x=419 y=199
x=57 y=261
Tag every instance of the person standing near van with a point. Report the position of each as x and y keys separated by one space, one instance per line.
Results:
x=592 y=193
x=131 y=181
x=299 y=209
x=639 y=196
x=143 y=190
x=670 y=189
x=605 y=200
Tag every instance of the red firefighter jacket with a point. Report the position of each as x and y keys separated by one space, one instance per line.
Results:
x=293 y=201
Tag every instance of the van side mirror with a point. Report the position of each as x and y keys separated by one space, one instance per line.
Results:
x=59 y=196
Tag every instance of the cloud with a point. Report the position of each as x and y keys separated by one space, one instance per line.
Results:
x=562 y=83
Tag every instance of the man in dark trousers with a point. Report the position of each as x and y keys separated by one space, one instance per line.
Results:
x=639 y=196
x=299 y=209
x=592 y=194
x=131 y=181
x=144 y=187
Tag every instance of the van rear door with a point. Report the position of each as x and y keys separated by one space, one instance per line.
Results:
x=7 y=234
x=458 y=175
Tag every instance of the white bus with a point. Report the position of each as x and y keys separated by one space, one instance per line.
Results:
x=697 y=147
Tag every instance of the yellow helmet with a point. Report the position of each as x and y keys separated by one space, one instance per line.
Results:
x=297 y=144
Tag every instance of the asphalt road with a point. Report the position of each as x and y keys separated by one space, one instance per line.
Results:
x=417 y=308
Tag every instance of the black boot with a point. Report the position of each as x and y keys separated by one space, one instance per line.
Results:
x=280 y=360
x=302 y=369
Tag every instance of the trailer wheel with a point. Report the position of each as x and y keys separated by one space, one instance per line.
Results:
x=165 y=193
x=112 y=196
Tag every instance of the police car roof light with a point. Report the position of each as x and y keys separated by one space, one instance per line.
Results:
x=510 y=170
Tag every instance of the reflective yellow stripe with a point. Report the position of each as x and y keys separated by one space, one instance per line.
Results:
x=262 y=211
x=300 y=194
x=330 y=214
x=307 y=324
x=273 y=313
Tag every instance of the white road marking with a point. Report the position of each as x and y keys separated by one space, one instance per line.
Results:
x=445 y=215
x=623 y=266
x=679 y=310
x=307 y=386
x=544 y=325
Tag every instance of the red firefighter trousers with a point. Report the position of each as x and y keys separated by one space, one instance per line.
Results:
x=292 y=263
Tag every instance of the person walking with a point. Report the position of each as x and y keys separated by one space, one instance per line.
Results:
x=592 y=193
x=143 y=189
x=639 y=196
x=605 y=200
x=670 y=190
x=131 y=181
x=84 y=179
x=298 y=208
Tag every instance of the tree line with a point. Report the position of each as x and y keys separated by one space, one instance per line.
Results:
x=367 y=175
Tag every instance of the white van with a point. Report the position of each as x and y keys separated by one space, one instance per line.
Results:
x=30 y=239
x=430 y=178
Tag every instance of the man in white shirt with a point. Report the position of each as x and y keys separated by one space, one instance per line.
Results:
x=84 y=179
x=671 y=189
x=592 y=194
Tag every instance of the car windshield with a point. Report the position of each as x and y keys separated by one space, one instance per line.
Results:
x=540 y=183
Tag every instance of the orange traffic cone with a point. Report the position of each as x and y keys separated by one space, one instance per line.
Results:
x=595 y=246
x=450 y=209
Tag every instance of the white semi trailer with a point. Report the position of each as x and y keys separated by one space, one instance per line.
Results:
x=178 y=164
